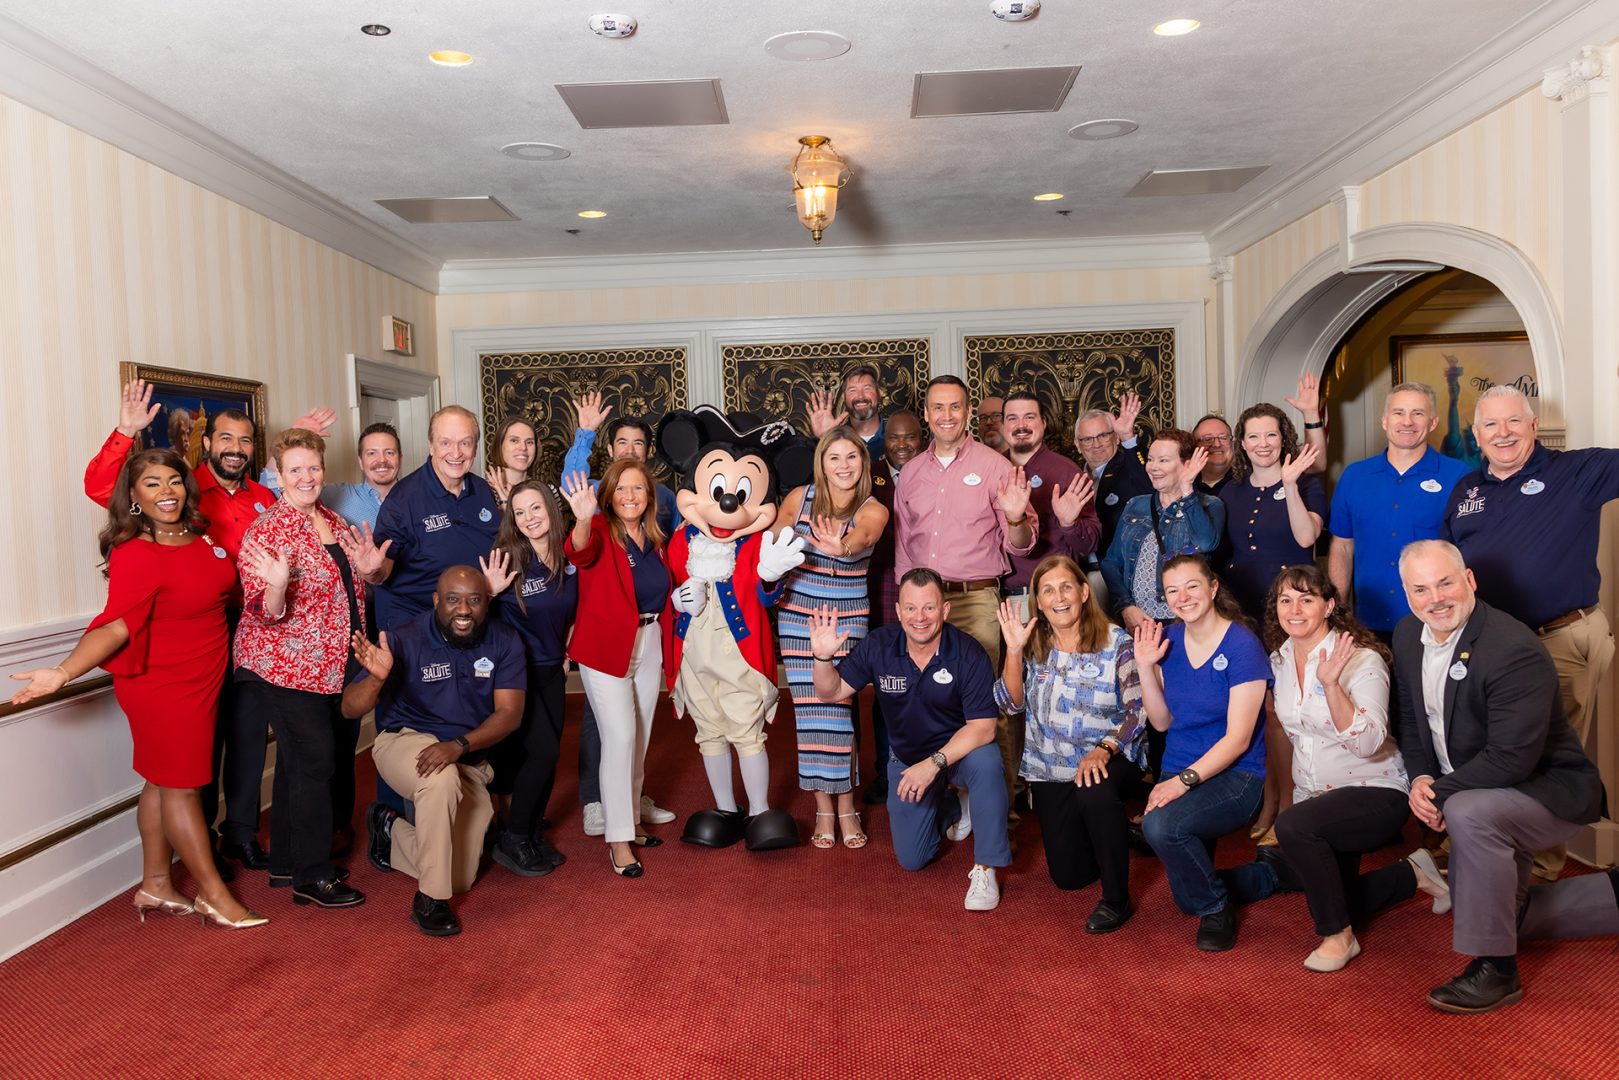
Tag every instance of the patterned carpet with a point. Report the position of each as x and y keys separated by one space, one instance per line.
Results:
x=793 y=963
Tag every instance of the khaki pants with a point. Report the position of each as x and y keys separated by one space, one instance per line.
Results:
x=1581 y=652
x=452 y=810
x=975 y=614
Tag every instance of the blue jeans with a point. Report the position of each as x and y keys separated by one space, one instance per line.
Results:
x=918 y=827
x=1184 y=833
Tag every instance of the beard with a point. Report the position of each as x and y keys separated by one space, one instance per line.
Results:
x=459 y=641
x=863 y=410
x=233 y=471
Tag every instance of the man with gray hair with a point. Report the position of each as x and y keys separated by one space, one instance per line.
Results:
x=1493 y=763
x=1387 y=501
x=1115 y=459
x=1528 y=499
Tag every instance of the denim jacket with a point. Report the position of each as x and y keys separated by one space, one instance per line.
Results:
x=1194 y=522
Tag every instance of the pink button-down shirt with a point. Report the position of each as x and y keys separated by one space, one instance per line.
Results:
x=949 y=518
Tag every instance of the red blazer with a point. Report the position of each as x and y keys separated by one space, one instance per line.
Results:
x=604 y=632
x=744 y=597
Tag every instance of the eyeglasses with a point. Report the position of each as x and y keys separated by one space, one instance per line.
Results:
x=1214 y=440
x=1096 y=440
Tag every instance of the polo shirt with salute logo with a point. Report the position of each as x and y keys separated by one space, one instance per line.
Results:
x=923 y=708
x=442 y=689
x=432 y=530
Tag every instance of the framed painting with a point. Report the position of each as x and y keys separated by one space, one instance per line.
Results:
x=1460 y=367
x=774 y=380
x=398 y=336
x=187 y=400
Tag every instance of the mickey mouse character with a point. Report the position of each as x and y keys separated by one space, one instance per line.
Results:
x=727 y=570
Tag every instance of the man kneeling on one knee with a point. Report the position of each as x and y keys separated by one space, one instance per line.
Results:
x=936 y=689
x=447 y=686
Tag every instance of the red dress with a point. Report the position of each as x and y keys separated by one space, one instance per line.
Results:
x=167 y=677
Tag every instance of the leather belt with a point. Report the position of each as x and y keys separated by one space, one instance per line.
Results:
x=1568 y=619
x=648 y=618
x=970 y=586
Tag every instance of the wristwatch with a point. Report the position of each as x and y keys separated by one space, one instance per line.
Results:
x=466 y=747
x=940 y=762
x=1189 y=777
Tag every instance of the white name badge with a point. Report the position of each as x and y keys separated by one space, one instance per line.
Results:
x=1281 y=494
x=483 y=667
x=219 y=552
x=484 y=514
x=1532 y=487
x=1320 y=689
x=943 y=677
x=1090 y=671
x=972 y=479
x=570 y=569
x=1432 y=486
x=1221 y=663
x=1112 y=498
x=259 y=507
x=1037 y=481
x=1458 y=671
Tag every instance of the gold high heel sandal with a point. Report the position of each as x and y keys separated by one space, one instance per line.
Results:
x=824 y=840
x=146 y=902
x=856 y=839
x=211 y=917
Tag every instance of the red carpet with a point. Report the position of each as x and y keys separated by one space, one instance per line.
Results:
x=795 y=963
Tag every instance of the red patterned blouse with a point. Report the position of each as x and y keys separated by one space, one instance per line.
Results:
x=307 y=646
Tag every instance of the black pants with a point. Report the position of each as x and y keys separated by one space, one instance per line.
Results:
x=590 y=757
x=525 y=762
x=1324 y=838
x=241 y=741
x=1086 y=831
x=305 y=756
x=347 y=734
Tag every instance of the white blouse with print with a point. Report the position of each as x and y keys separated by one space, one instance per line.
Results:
x=1324 y=758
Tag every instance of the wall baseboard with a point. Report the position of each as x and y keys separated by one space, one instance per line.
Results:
x=62 y=883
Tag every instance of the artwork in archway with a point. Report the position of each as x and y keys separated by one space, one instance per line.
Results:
x=1071 y=372
x=540 y=387
x=1460 y=367
x=774 y=380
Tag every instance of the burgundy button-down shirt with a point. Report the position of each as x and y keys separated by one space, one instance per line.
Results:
x=1047 y=471
x=950 y=518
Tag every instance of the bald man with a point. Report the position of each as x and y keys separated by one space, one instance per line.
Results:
x=447 y=685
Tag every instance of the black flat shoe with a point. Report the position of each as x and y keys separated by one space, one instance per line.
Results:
x=284 y=881
x=1218 y=932
x=634 y=869
x=249 y=854
x=1481 y=988
x=647 y=840
x=434 y=917
x=519 y=854
x=379 y=846
x=1107 y=917
x=331 y=893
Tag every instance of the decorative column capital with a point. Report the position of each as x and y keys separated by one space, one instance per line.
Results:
x=1571 y=82
x=1220 y=270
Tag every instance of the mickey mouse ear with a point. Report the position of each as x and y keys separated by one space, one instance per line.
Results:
x=680 y=436
x=795 y=462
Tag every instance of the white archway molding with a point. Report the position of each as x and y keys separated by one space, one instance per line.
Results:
x=1310 y=315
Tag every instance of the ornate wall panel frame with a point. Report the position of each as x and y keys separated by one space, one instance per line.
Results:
x=540 y=388
x=1078 y=370
x=775 y=379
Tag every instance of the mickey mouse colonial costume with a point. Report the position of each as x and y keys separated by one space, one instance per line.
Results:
x=727 y=569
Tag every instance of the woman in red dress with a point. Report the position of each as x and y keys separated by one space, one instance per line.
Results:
x=162 y=637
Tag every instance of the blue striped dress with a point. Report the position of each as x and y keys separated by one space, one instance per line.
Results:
x=826 y=759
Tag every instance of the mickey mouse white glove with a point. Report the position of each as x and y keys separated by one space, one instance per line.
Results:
x=690 y=597
x=779 y=554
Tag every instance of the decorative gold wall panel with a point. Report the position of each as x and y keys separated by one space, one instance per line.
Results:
x=541 y=387
x=1072 y=372
x=774 y=380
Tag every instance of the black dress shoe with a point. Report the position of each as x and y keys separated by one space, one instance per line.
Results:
x=519 y=854
x=548 y=852
x=1107 y=917
x=1481 y=988
x=379 y=846
x=434 y=917
x=1218 y=932
x=248 y=853
x=284 y=881
x=331 y=893
x=1287 y=879
x=876 y=792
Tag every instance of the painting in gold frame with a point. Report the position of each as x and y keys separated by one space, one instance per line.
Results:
x=774 y=380
x=187 y=399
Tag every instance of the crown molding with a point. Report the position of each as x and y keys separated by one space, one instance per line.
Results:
x=1508 y=65
x=42 y=75
x=807 y=263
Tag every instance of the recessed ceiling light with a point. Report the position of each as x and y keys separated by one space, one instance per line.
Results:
x=807 y=45
x=592 y=213
x=375 y=29
x=1050 y=196
x=1111 y=128
x=450 y=58
x=1176 y=27
x=535 y=151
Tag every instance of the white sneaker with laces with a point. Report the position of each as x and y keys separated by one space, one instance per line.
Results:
x=983 y=891
x=963 y=827
x=595 y=819
x=654 y=814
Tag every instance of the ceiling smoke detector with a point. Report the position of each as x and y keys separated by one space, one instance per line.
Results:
x=1014 y=10
x=611 y=25
x=1111 y=128
x=535 y=151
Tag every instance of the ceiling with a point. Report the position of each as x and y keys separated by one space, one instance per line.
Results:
x=363 y=118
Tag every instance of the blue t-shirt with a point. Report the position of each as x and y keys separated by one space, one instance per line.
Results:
x=442 y=689
x=432 y=530
x=923 y=709
x=1198 y=697
x=1382 y=510
x=546 y=612
x=1261 y=536
x=650 y=576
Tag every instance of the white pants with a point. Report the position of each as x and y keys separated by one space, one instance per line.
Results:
x=623 y=709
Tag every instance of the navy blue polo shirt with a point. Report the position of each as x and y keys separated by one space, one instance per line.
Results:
x=543 y=619
x=432 y=530
x=649 y=575
x=1531 y=539
x=441 y=689
x=1199 y=697
x=1382 y=510
x=923 y=709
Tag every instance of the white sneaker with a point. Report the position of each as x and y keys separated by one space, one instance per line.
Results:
x=595 y=819
x=963 y=827
x=983 y=891
x=654 y=814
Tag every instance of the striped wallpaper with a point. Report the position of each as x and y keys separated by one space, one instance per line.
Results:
x=1259 y=272
x=103 y=258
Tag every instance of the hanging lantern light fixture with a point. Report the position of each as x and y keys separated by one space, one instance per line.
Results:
x=819 y=171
